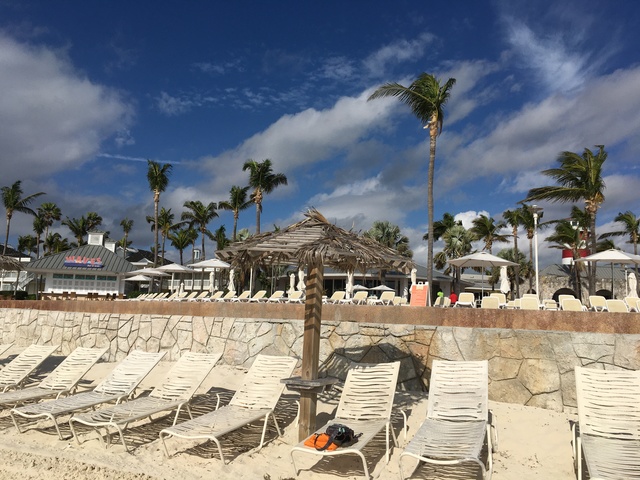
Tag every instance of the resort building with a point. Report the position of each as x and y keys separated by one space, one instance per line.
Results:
x=88 y=270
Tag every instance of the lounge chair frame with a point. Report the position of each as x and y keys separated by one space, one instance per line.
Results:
x=255 y=400
x=63 y=380
x=119 y=385
x=17 y=371
x=458 y=419
x=365 y=406
x=608 y=433
x=174 y=393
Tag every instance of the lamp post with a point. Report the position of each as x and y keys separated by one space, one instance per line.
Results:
x=536 y=210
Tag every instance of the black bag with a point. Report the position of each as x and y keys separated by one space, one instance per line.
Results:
x=340 y=435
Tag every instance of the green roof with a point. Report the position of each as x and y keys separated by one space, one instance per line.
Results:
x=93 y=258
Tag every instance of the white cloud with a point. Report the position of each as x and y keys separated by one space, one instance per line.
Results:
x=467 y=217
x=52 y=118
x=396 y=52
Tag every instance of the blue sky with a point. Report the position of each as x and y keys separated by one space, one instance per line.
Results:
x=90 y=90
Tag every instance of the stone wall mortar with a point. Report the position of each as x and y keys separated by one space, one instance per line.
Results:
x=530 y=367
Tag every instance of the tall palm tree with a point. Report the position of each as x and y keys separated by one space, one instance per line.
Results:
x=579 y=178
x=27 y=244
x=630 y=227
x=127 y=226
x=14 y=201
x=441 y=226
x=56 y=244
x=568 y=234
x=220 y=237
x=181 y=239
x=199 y=216
x=486 y=229
x=78 y=228
x=93 y=221
x=513 y=218
x=50 y=212
x=39 y=228
x=390 y=236
x=427 y=98
x=263 y=181
x=158 y=178
x=457 y=243
x=238 y=201
x=165 y=226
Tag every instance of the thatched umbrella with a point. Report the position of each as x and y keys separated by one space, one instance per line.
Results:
x=316 y=243
x=10 y=264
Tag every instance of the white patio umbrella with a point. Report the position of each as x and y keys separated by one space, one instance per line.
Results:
x=138 y=278
x=359 y=287
x=481 y=260
x=149 y=272
x=612 y=256
x=382 y=288
x=211 y=263
x=504 y=280
x=174 y=268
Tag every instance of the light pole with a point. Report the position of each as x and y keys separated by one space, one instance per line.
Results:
x=536 y=210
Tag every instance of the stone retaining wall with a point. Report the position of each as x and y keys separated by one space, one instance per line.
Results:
x=531 y=367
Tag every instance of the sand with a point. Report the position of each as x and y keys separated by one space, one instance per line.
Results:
x=533 y=443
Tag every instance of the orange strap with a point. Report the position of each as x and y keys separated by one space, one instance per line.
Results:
x=319 y=441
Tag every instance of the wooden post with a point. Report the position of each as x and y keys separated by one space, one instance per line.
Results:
x=310 y=350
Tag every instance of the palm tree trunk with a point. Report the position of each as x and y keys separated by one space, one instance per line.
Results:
x=433 y=132
x=235 y=224
x=257 y=218
x=156 y=203
x=202 y=256
x=594 y=241
x=6 y=237
x=516 y=258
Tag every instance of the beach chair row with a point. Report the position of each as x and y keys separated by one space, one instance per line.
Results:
x=220 y=296
x=457 y=405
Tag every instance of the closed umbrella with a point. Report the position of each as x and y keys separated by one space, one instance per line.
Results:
x=505 y=287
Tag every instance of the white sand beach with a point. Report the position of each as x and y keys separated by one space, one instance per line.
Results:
x=533 y=444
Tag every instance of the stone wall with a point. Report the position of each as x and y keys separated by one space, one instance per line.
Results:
x=531 y=367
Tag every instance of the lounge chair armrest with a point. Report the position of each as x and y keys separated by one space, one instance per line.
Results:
x=493 y=431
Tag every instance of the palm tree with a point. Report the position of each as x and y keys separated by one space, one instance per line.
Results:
x=38 y=228
x=237 y=202
x=158 y=178
x=93 y=221
x=127 y=226
x=263 y=181
x=78 y=228
x=457 y=243
x=630 y=227
x=198 y=216
x=427 y=99
x=513 y=218
x=220 y=237
x=441 y=226
x=486 y=229
x=13 y=200
x=390 y=236
x=515 y=275
x=181 y=239
x=55 y=243
x=50 y=213
x=579 y=177
x=27 y=244
x=165 y=226
x=568 y=234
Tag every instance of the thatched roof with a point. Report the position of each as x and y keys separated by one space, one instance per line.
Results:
x=315 y=241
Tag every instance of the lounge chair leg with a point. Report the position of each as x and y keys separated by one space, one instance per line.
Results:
x=219 y=448
x=295 y=470
x=15 y=422
x=164 y=444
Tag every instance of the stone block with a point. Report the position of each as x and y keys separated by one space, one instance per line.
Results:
x=539 y=376
x=568 y=390
x=509 y=391
x=550 y=401
x=627 y=351
x=534 y=344
x=504 y=368
x=444 y=345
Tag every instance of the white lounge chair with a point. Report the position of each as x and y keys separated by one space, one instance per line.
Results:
x=490 y=302
x=215 y=296
x=174 y=393
x=257 y=297
x=17 y=371
x=228 y=297
x=632 y=303
x=276 y=297
x=61 y=381
x=529 y=303
x=598 y=303
x=336 y=297
x=189 y=296
x=617 y=306
x=466 y=299
x=457 y=423
x=608 y=432
x=243 y=297
x=386 y=298
x=359 y=298
x=365 y=407
x=502 y=298
x=203 y=295
x=116 y=387
x=296 y=297
x=254 y=401
x=573 y=305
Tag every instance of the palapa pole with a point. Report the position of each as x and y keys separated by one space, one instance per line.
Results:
x=311 y=350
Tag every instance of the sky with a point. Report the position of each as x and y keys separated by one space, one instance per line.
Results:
x=91 y=90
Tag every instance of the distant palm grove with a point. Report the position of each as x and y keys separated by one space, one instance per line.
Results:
x=577 y=180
